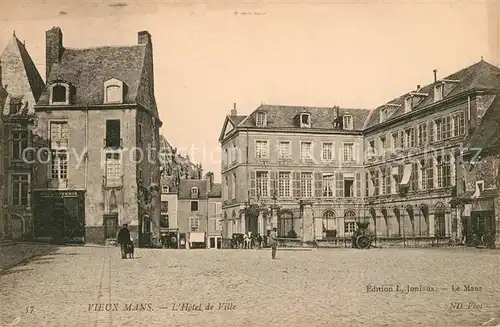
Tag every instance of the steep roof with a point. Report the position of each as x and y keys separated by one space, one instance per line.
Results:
x=88 y=69
x=186 y=185
x=486 y=135
x=216 y=191
x=236 y=119
x=281 y=116
x=19 y=72
x=480 y=76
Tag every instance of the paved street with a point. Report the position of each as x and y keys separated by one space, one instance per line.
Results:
x=301 y=288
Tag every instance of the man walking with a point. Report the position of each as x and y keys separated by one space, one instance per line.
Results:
x=274 y=242
x=123 y=239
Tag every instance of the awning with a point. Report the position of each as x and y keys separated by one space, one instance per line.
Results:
x=197 y=237
x=406 y=175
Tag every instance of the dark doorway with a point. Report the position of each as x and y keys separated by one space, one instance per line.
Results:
x=482 y=228
x=110 y=225
x=252 y=223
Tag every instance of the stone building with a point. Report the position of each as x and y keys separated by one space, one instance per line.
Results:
x=299 y=162
x=97 y=131
x=24 y=85
x=478 y=180
x=3 y=231
x=305 y=161
x=194 y=209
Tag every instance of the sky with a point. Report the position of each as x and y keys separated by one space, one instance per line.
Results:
x=209 y=55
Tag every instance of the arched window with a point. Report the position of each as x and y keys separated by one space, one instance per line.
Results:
x=113 y=93
x=60 y=93
x=329 y=221
x=194 y=192
x=349 y=222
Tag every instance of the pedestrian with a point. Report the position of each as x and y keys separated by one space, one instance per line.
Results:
x=123 y=238
x=273 y=238
x=259 y=241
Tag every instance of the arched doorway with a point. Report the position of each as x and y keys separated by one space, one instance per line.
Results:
x=286 y=226
x=411 y=216
x=386 y=221
x=397 y=215
x=252 y=219
x=16 y=227
x=424 y=211
x=329 y=221
x=440 y=220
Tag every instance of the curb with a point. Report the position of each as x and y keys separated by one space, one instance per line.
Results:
x=25 y=259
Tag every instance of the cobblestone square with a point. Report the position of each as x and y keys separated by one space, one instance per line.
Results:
x=92 y=286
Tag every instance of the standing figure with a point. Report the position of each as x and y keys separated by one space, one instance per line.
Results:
x=273 y=238
x=123 y=239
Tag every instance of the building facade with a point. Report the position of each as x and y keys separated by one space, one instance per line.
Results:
x=3 y=220
x=23 y=85
x=96 y=142
x=304 y=163
x=393 y=166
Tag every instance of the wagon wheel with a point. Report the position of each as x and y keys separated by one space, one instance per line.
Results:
x=363 y=242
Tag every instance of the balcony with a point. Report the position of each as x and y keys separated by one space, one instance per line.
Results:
x=58 y=183
x=112 y=182
x=113 y=143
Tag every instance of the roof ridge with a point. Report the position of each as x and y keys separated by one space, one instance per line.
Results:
x=105 y=46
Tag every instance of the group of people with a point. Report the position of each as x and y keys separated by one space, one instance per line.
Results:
x=125 y=240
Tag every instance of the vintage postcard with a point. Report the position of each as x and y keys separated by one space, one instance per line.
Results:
x=249 y=163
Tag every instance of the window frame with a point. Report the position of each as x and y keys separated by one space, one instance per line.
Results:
x=52 y=86
x=14 y=139
x=266 y=148
x=113 y=82
x=302 y=124
x=344 y=144
x=192 y=202
x=261 y=119
x=11 y=189
x=332 y=151
x=280 y=156
x=349 y=125
x=290 y=181
x=311 y=154
x=311 y=181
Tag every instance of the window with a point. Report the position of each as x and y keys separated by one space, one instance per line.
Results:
x=233 y=189
x=113 y=166
x=305 y=150
x=375 y=182
x=327 y=151
x=15 y=106
x=422 y=134
x=430 y=174
x=348 y=123
x=164 y=221
x=306 y=180
x=305 y=120
x=113 y=133
x=438 y=125
x=367 y=184
x=285 y=150
x=194 y=223
x=261 y=150
x=409 y=137
x=284 y=184
x=349 y=222
x=383 y=145
x=458 y=123
x=194 y=205
x=226 y=187
x=388 y=180
x=348 y=186
x=328 y=185
x=261 y=119
x=164 y=207
x=329 y=221
x=59 y=164
x=59 y=94
x=226 y=157
x=262 y=183
x=414 y=177
x=19 y=144
x=407 y=104
x=371 y=148
x=383 y=180
x=423 y=175
x=113 y=93
x=443 y=171
x=194 y=192
x=20 y=186
x=348 y=151
x=383 y=115
x=59 y=135
x=233 y=153
x=165 y=189
x=447 y=124
x=438 y=92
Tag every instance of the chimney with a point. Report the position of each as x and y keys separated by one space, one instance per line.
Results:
x=435 y=75
x=53 y=48
x=418 y=88
x=234 y=112
x=143 y=37
x=210 y=181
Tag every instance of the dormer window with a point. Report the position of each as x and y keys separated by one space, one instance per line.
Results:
x=348 y=123
x=305 y=120
x=59 y=93
x=113 y=91
x=383 y=115
x=438 y=92
x=261 y=119
x=165 y=189
x=408 y=104
x=194 y=192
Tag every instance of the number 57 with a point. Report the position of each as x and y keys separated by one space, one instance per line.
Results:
x=30 y=309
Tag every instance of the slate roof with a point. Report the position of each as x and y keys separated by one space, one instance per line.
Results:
x=283 y=117
x=487 y=135
x=33 y=83
x=186 y=185
x=88 y=69
x=236 y=119
x=480 y=76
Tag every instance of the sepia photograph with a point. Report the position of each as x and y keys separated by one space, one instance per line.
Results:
x=249 y=163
